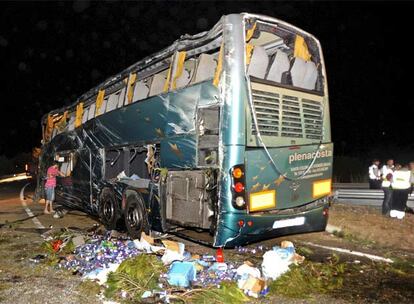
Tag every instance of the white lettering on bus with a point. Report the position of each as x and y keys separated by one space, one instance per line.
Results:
x=309 y=155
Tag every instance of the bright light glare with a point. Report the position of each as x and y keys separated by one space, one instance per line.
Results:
x=15 y=177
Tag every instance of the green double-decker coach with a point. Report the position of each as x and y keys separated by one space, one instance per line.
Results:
x=226 y=132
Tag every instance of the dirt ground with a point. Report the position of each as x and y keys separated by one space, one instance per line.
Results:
x=369 y=224
x=361 y=280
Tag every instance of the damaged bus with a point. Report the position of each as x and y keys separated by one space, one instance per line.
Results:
x=226 y=132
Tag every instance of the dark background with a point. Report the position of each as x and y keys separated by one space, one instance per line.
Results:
x=51 y=52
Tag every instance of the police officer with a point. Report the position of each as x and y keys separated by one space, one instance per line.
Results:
x=386 y=173
x=374 y=175
x=401 y=186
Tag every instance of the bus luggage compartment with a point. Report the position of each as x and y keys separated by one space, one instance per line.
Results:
x=187 y=200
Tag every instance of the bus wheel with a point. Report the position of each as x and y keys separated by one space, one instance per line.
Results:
x=108 y=209
x=135 y=216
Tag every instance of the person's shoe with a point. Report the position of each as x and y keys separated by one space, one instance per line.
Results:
x=393 y=213
x=400 y=215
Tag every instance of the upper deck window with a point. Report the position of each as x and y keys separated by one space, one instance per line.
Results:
x=283 y=57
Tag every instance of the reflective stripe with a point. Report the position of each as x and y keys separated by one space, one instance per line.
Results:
x=179 y=68
x=249 y=51
x=131 y=85
x=79 y=114
x=249 y=33
x=219 y=66
x=49 y=127
x=301 y=48
x=99 y=102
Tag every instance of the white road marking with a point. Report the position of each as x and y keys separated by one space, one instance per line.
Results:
x=357 y=253
x=27 y=209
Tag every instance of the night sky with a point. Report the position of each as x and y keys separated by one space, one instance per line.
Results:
x=52 y=52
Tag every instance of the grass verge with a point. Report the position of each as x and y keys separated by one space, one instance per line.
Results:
x=309 y=278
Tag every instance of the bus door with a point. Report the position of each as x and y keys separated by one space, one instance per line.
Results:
x=75 y=188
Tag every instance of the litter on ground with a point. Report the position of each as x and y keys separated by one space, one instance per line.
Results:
x=162 y=269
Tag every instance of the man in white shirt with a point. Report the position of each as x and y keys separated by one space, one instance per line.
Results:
x=386 y=175
x=374 y=175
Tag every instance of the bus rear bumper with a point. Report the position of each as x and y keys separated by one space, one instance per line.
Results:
x=237 y=229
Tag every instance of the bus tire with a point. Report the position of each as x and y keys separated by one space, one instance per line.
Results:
x=108 y=209
x=135 y=215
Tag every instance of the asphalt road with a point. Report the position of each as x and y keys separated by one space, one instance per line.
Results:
x=14 y=210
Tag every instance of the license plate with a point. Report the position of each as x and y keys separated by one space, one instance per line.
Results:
x=297 y=221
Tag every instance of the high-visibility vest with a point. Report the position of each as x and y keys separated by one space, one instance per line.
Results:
x=401 y=179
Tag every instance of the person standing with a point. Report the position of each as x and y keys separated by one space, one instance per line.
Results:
x=401 y=187
x=411 y=167
x=374 y=175
x=386 y=173
x=50 y=186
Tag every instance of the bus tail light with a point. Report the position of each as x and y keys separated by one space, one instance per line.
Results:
x=237 y=173
x=238 y=186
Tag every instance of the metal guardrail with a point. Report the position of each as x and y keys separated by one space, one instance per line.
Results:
x=362 y=197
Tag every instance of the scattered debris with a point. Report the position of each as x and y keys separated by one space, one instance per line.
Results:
x=78 y=240
x=138 y=269
x=181 y=274
x=37 y=258
x=220 y=255
x=276 y=262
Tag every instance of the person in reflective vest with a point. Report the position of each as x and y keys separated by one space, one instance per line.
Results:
x=374 y=175
x=411 y=167
x=401 y=186
x=386 y=175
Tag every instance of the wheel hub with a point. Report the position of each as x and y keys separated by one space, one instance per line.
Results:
x=134 y=217
x=108 y=210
